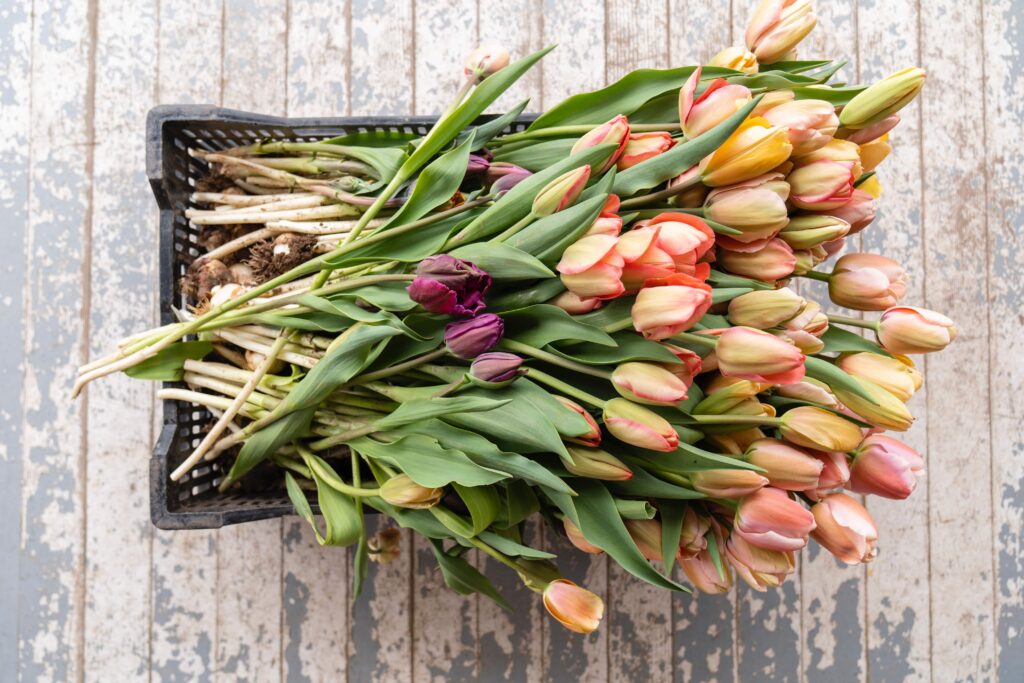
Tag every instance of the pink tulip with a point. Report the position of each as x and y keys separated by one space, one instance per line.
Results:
x=809 y=390
x=578 y=540
x=756 y=207
x=646 y=534
x=670 y=305
x=786 y=466
x=777 y=26
x=591 y=268
x=774 y=261
x=821 y=185
x=486 y=60
x=704 y=576
x=867 y=282
x=643 y=146
x=906 y=329
x=561 y=193
x=719 y=101
x=810 y=123
x=591 y=438
x=758 y=356
x=727 y=483
x=575 y=608
x=633 y=424
x=835 y=472
x=885 y=467
x=689 y=365
x=759 y=568
x=845 y=529
x=573 y=304
x=692 y=537
x=644 y=259
x=770 y=519
x=614 y=132
x=873 y=131
x=649 y=383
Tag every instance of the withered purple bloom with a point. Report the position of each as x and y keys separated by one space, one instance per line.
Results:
x=445 y=284
x=470 y=338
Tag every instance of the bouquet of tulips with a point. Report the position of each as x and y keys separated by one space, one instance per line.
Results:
x=597 y=319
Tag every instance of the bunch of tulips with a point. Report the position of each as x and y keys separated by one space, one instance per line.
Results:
x=603 y=318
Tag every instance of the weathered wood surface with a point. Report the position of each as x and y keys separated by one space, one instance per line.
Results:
x=89 y=591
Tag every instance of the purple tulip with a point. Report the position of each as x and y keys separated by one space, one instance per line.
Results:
x=478 y=164
x=445 y=284
x=470 y=338
x=507 y=182
x=496 y=366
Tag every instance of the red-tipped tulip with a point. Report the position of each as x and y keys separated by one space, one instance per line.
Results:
x=845 y=529
x=649 y=383
x=906 y=329
x=575 y=608
x=562 y=192
x=762 y=309
x=633 y=424
x=758 y=356
x=776 y=27
x=643 y=146
x=774 y=261
x=669 y=306
x=756 y=207
x=821 y=185
x=719 y=101
x=885 y=467
x=594 y=463
x=786 y=467
x=759 y=568
x=591 y=268
x=867 y=282
x=614 y=132
x=727 y=483
x=577 y=538
x=770 y=519
x=896 y=375
x=810 y=123
x=591 y=438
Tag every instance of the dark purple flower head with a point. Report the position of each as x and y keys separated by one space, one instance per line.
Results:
x=496 y=366
x=469 y=338
x=445 y=284
x=478 y=164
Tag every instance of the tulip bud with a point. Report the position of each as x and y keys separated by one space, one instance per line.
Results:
x=507 y=181
x=669 y=306
x=577 y=538
x=477 y=164
x=680 y=238
x=839 y=151
x=591 y=268
x=874 y=153
x=883 y=98
x=562 y=192
x=871 y=132
x=385 y=546
x=643 y=146
x=735 y=58
x=755 y=148
x=691 y=538
x=820 y=429
x=772 y=99
x=614 y=132
x=755 y=355
x=591 y=438
x=638 y=426
x=810 y=124
x=727 y=483
x=646 y=534
x=486 y=60
x=859 y=211
x=401 y=491
x=805 y=232
x=649 y=383
x=810 y=390
x=867 y=282
x=821 y=185
x=883 y=410
x=786 y=467
x=573 y=304
x=496 y=367
x=907 y=329
x=594 y=463
x=575 y=608
x=448 y=285
x=759 y=568
x=719 y=101
x=689 y=366
x=896 y=375
x=644 y=260
x=473 y=336
x=765 y=308
x=703 y=574
x=776 y=26
x=756 y=207
x=724 y=394
x=835 y=472
x=774 y=261
x=770 y=519
x=885 y=467
x=605 y=224
x=845 y=529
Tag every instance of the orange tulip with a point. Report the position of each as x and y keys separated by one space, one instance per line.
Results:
x=575 y=608
x=845 y=529
x=643 y=146
x=593 y=437
x=670 y=305
x=907 y=329
x=719 y=101
x=592 y=269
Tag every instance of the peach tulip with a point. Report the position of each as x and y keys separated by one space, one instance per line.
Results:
x=638 y=426
x=719 y=101
x=867 y=282
x=649 y=383
x=810 y=124
x=756 y=207
x=770 y=519
x=755 y=355
x=762 y=309
x=727 y=483
x=885 y=467
x=670 y=305
x=591 y=268
x=821 y=185
x=845 y=529
x=759 y=568
x=774 y=260
x=578 y=540
x=896 y=375
x=614 y=132
x=643 y=146
x=810 y=230
x=835 y=472
x=735 y=58
x=907 y=329
x=776 y=27
x=692 y=538
x=575 y=608
x=819 y=429
x=593 y=437
x=573 y=304
x=646 y=534
x=786 y=466
x=594 y=463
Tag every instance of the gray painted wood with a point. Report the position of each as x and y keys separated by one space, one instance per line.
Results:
x=88 y=591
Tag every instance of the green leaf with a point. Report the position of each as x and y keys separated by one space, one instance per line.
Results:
x=721 y=279
x=315 y=321
x=629 y=346
x=421 y=409
x=408 y=247
x=427 y=462
x=826 y=372
x=835 y=96
x=536 y=156
x=483 y=133
x=483 y=504
x=503 y=261
x=838 y=340
x=435 y=186
x=389 y=296
x=661 y=109
x=542 y=324
x=168 y=364
x=799 y=66
x=463 y=578
x=556 y=232
x=266 y=441
x=518 y=502
x=672 y=515
x=634 y=509
x=520 y=297
x=513 y=548
x=668 y=165
x=716 y=554
x=647 y=485
x=342 y=518
x=723 y=294
x=375 y=138
x=863 y=178
x=360 y=567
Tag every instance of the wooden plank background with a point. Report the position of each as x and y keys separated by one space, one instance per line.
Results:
x=90 y=591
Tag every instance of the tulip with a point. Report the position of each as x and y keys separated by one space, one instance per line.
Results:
x=670 y=305
x=765 y=308
x=685 y=239
x=649 y=383
x=820 y=429
x=689 y=366
x=755 y=148
x=507 y=181
x=469 y=338
x=882 y=410
x=810 y=390
x=755 y=355
x=573 y=304
x=770 y=519
x=484 y=61
x=867 y=282
x=385 y=546
x=448 y=285
x=776 y=26
x=725 y=394
x=591 y=268
x=735 y=58
x=401 y=491
x=477 y=164
x=756 y=207
x=644 y=259
x=719 y=101
x=691 y=538
x=839 y=151
x=810 y=124
x=845 y=529
x=885 y=467
x=759 y=568
x=614 y=132
x=593 y=437
x=835 y=472
x=871 y=132
x=874 y=153
x=594 y=463
x=646 y=534
x=562 y=192
x=605 y=224
x=770 y=100
x=497 y=170
x=496 y=366
x=727 y=483
x=786 y=466
x=577 y=538
x=643 y=146
x=703 y=574
x=907 y=329
x=821 y=185
x=575 y=608
x=883 y=98
x=896 y=375
x=805 y=232
x=638 y=426
x=859 y=211
x=774 y=261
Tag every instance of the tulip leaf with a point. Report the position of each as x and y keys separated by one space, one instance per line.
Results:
x=542 y=324
x=483 y=133
x=545 y=290
x=634 y=509
x=536 y=156
x=796 y=66
x=513 y=548
x=464 y=578
x=421 y=409
x=665 y=166
x=168 y=365
x=556 y=232
x=435 y=185
x=342 y=520
x=672 y=516
x=266 y=441
x=408 y=247
x=863 y=178
x=360 y=566
x=389 y=296
x=838 y=340
x=835 y=378
x=723 y=294
x=648 y=485
x=427 y=462
x=721 y=279
x=716 y=554
x=483 y=504
x=661 y=109
x=629 y=346
x=503 y=261
x=518 y=502
x=834 y=96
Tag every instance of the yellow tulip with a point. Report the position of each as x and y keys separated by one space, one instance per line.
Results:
x=754 y=149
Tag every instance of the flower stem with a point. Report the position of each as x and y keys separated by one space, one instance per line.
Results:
x=560 y=131
x=564 y=387
x=816 y=275
x=853 y=322
x=702 y=339
x=334 y=482
x=753 y=420
x=526 y=220
x=670 y=191
x=547 y=357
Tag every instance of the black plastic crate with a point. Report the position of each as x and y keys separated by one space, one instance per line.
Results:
x=193 y=502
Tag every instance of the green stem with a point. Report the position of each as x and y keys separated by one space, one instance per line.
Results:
x=670 y=191
x=565 y=388
x=334 y=482
x=526 y=220
x=397 y=369
x=702 y=339
x=624 y=324
x=560 y=131
x=815 y=275
x=853 y=322
x=753 y=420
x=349 y=435
x=554 y=359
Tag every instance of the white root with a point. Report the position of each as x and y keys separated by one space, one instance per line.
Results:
x=242 y=217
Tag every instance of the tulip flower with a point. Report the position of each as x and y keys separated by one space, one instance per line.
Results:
x=755 y=355
x=685 y=239
x=723 y=394
x=906 y=329
x=561 y=193
x=871 y=132
x=820 y=429
x=719 y=101
x=859 y=211
x=643 y=146
x=755 y=148
x=573 y=304
x=644 y=259
x=594 y=463
x=646 y=534
x=774 y=261
x=885 y=467
x=845 y=529
x=477 y=164
x=703 y=574
x=727 y=483
x=649 y=383
x=575 y=608
x=507 y=181
x=448 y=285
x=807 y=231
x=473 y=336
x=578 y=540
x=670 y=305
x=883 y=410
x=835 y=472
x=689 y=366
x=840 y=151
x=614 y=132
x=874 y=153
x=401 y=491
x=776 y=26
x=786 y=466
x=810 y=390
x=591 y=268
x=759 y=568
x=691 y=539
x=883 y=98
x=770 y=519
x=385 y=546
x=821 y=185
x=867 y=282
x=496 y=366
x=638 y=426
x=605 y=224
x=770 y=100
x=810 y=124
x=756 y=207
x=591 y=438
x=484 y=61
x=762 y=309
x=735 y=58
x=896 y=375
